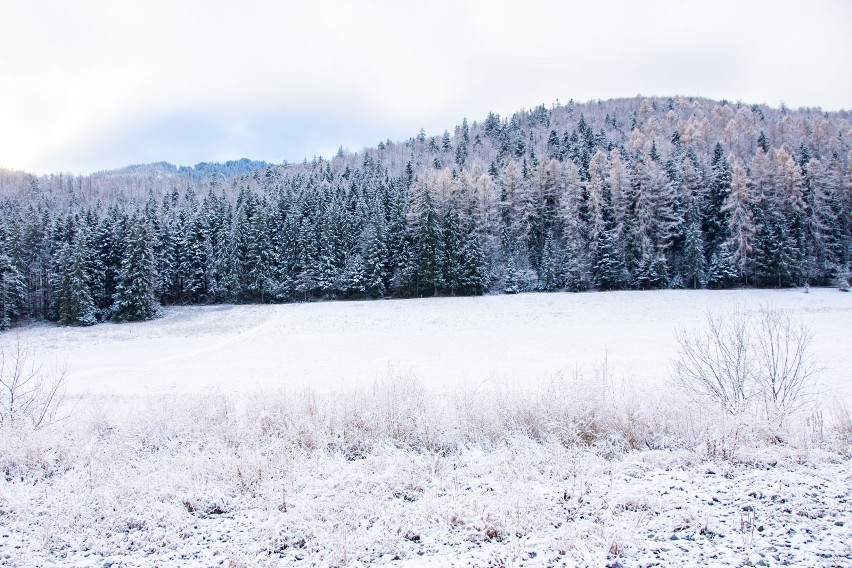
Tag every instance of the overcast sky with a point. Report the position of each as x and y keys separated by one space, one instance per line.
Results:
x=86 y=86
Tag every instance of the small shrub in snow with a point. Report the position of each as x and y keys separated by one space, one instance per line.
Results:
x=28 y=392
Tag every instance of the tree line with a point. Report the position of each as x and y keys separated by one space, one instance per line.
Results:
x=626 y=194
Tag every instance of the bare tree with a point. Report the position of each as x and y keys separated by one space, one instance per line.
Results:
x=740 y=359
x=715 y=363
x=26 y=392
x=784 y=363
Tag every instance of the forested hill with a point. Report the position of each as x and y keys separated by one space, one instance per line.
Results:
x=632 y=193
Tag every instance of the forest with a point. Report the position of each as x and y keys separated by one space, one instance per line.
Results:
x=638 y=193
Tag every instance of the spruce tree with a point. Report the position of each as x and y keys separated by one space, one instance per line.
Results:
x=550 y=277
x=715 y=216
x=510 y=278
x=608 y=267
x=376 y=263
x=474 y=265
x=135 y=298
x=826 y=225
x=693 y=250
x=72 y=302
x=428 y=240
x=12 y=291
x=452 y=254
x=722 y=272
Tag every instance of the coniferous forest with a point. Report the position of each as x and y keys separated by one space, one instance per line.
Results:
x=638 y=193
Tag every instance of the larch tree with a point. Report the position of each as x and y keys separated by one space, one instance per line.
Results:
x=738 y=207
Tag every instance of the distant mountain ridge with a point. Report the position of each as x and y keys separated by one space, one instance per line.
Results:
x=199 y=171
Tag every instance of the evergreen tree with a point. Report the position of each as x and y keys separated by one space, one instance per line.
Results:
x=693 y=250
x=107 y=249
x=826 y=224
x=608 y=267
x=135 y=298
x=193 y=283
x=715 y=217
x=773 y=249
x=510 y=278
x=12 y=290
x=452 y=254
x=376 y=263
x=251 y=248
x=550 y=275
x=474 y=265
x=691 y=193
x=428 y=239
x=446 y=146
x=72 y=300
x=722 y=272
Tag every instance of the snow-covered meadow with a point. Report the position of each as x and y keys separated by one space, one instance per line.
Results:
x=538 y=429
x=446 y=343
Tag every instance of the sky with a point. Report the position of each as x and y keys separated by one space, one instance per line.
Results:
x=94 y=85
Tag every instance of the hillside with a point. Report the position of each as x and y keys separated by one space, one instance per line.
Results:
x=642 y=193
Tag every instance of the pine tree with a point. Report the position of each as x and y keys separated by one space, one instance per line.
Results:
x=693 y=249
x=474 y=265
x=651 y=272
x=72 y=302
x=715 y=218
x=510 y=278
x=722 y=272
x=107 y=242
x=376 y=263
x=550 y=275
x=773 y=249
x=426 y=230
x=576 y=267
x=194 y=260
x=354 y=275
x=446 y=146
x=826 y=224
x=12 y=290
x=452 y=265
x=135 y=298
x=608 y=267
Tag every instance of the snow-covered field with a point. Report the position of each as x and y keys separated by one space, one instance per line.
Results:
x=444 y=342
x=534 y=430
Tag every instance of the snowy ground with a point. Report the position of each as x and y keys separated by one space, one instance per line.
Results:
x=441 y=432
x=444 y=342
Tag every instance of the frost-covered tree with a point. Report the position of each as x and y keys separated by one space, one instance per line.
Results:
x=426 y=230
x=693 y=249
x=135 y=298
x=738 y=207
x=72 y=304
x=575 y=196
x=12 y=291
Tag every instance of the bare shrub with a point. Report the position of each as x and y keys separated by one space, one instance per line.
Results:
x=741 y=359
x=27 y=392
x=717 y=362
x=785 y=367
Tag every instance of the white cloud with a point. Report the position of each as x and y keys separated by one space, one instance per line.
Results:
x=74 y=75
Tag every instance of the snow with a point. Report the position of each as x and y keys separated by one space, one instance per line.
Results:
x=435 y=432
x=444 y=342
